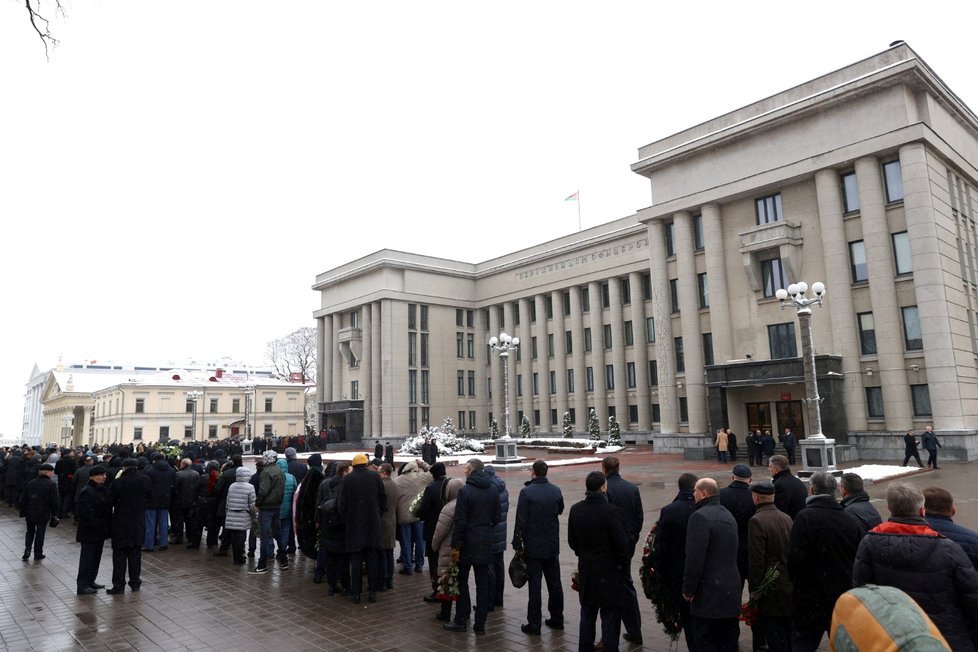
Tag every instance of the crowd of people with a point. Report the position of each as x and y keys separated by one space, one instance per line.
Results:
x=799 y=550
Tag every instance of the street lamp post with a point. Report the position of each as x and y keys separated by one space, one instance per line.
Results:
x=505 y=445
x=194 y=396
x=817 y=452
x=68 y=422
x=248 y=389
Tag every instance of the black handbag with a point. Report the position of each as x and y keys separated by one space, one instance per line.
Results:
x=518 y=573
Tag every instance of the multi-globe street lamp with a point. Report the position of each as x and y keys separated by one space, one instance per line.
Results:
x=194 y=396
x=505 y=445
x=817 y=452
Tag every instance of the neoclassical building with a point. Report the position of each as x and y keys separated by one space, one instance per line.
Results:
x=864 y=179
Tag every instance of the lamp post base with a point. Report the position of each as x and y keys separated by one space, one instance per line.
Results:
x=817 y=454
x=506 y=451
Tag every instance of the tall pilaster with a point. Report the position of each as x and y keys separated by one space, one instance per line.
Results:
x=376 y=377
x=662 y=315
x=496 y=371
x=324 y=364
x=543 y=362
x=689 y=311
x=597 y=354
x=578 y=364
x=886 y=310
x=640 y=352
x=393 y=391
x=560 y=357
x=620 y=396
x=366 y=369
x=716 y=274
x=526 y=362
x=337 y=360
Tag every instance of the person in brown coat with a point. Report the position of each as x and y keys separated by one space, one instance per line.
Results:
x=388 y=524
x=441 y=541
x=768 y=532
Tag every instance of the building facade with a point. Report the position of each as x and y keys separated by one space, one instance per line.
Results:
x=864 y=178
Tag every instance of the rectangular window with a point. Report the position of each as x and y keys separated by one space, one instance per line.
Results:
x=609 y=376
x=413 y=419
x=536 y=383
x=653 y=373
x=461 y=420
x=459 y=345
x=708 y=349
x=460 y=382
x=471 y=383
x=188 y=432
x=412 y=349
x=412 y=318
x=626 y=291
x=519 y=384
x=164 y=433
x=553 y=382
x=267 y=430
x=471 y=419
x=781 y=339
x=611 y=412
x=867 y=333
x=874 y=402
x=212 y=432
x=921 y=400
x=605 y=296
x=424 y=318
x=548 y=302
x=587 y=340
x=190 y=406
x=698 y=233
x=670 y=239
x=857 y=262
x=573 y=415
x=568 y=342
x=425 y=416
x=683 y=409
x=901 y=253
x=425 y=386
x=656 y=416
x=470 y=318
x=585 y=300
x=536 y=418
x=137 y=433
x=769 y=209
x=607 y=336
x=213 y=408
x=470 y=345
x=140 y=405
x=268 y=405
x=235 y=405
x=550 y=345
x=774 y=276
x=629 y=334
x=589 y=379
x=677 y=344
x=674 y=294
x=893 y=178
x=489 y=390
x=647 y=286
x=566 y=296
x=704 y=290
x=553 y=416
x=630 y=374
x=650 y=330
x=412 y=386
x=911 y=329
x=533 y=311
x=632 y=414
x=459 y=317
x=355 y=319
x=570 y=381
x=533 y=348
x=424 y=349
x=516 y=313
x=850 y=193
x=354 y=390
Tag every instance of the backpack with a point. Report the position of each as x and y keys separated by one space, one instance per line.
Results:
x=329 y=513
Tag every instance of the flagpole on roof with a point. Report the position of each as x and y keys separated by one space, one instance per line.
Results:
x=576 y=197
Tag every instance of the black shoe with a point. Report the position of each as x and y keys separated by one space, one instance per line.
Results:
x=371 y=597
x=27 y=555
x=553 y=624
x=162 y=548
x=527 y=628
x=251 y=554
x=356 y=598
x=634 y=640
x=240 y=562
x=390 y=584
x=222 y=553
x=331 y=591
x=430 y=598
x=151 y=550
x=405 y=571
x=135 y=587
x=98 y=586
x=454 y=627
x=115 y=591
x=418 y=570
x=258 y=570
x=284 y=565
x=444 y=619
x=87 y=591
x=480 y=631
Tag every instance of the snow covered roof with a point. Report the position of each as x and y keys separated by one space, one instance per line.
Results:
x=88 y=383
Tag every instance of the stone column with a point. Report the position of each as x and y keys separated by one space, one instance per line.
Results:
x=662 y=315
x=620 y=395
x=716 y=274
x=838 y=301
x=640 y=352
x=394 y=390
x=578 y=364
x=496 y=371
x=376 y=377
x=525 y=365
x=336 y=368
x=689 y=309
x=932 y=291
x=560 y=357
x=365 y=375
x=543 y=363
x=324 y=363
x=886 y=311
x=597 y=354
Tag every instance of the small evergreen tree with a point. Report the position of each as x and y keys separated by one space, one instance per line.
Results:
x=448 y=427
x=593 y=429
x=568 y=427
x=493 y=429
x=614 y=432
x=524 y=427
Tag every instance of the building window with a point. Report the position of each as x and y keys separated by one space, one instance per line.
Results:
x=164 y=433
x=553 y=382
x=460 y=382
x=533 y=348
x=585 y=300
x=566 y=297
x=425 y=415
x=472 y=419
x=536 y=383
x=425 y=386
x=424 y=318
x=550 y=345
x=533 y=311
x=901 y=253
x=461 y=420
x=677 y=343
x=607 y=336
x=653 y=373
x=656 y=416
x=629 y=335
x=424 y=349
x=611 y=412
x=412 y=316
x=459 y=317
x=587 y=340
x=670 y=231
x=553 y=416
x=609 y=376
x=630 y=374
x=459 y=345
x=268 y=405
x=137 y=433
x=470 y=318
x=850 y=193
x=647 y=286
x=769 y=209
x=213 y=407
x=911 y=329
x=354 y=390
x=698 y=232
x=867 y=333
x=650 y=330
x=573 y=416
x=893 y=179
x=605 y=295
x=355 y=319
x=235 y=406
x=412 y=386
x=548 y=302
x=921 y=400
x=212 y=432
x=707 y=349
x=589 y=379
x=519 y=384
x=704 y=290
x=470 y=345
x=570 y=381
x=781 y=339
x=774 y=276
x=874 y=402
x=267 y=430
x=413 y=419
x=683 y=409
x=568 y=342
x=516 y=313
x=674 y=294
x=857 y=262
x=471 y=383
x=412 y=349
x=626 y=291
x=632 y=414
x=141 y=405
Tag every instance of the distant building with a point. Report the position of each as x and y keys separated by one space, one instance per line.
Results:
x=865 y=178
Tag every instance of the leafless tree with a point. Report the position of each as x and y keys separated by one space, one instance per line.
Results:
x=41 y=24
x=294 y=354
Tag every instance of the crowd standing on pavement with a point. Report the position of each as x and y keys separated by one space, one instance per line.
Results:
x=795 y=552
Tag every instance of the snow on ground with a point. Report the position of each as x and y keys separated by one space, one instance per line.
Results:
x=461 y=458
x=878 y=472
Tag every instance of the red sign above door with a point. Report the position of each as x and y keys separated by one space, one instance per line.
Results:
x=785 y=396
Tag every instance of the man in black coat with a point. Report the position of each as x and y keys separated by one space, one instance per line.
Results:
x=790 y=442
x=39 y=505
x=821 y=551
x=789 y=491
x=129 y=494
x=537 y=532
x=596 y=534
x=625 y=496
x=389 y=453
x=477 y=510
x=431 y=504
x=669 y=559
x=378 y=449
x=65 y=470
x=94 y=515
x=738 y=500
x=711 y=582
x=157 y=516
x=910 y=448
x=184 y=495
x=930 y=443
x=361 y=501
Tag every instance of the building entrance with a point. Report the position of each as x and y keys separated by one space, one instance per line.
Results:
x=790 y=415
x=758 y=416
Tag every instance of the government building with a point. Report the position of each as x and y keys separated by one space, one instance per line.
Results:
x=864 y=179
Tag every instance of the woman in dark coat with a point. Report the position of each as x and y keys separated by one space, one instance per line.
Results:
x=130 y=494
x=306 y=519
x=331 y=558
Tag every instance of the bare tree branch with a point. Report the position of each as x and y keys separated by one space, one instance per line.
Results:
x=42 y=25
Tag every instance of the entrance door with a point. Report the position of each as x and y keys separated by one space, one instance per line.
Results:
x=790 y=415
x=758 y=416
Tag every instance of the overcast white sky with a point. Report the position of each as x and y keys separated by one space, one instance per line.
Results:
x=174 y=178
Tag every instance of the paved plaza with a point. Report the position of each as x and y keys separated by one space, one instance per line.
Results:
x=191 y=600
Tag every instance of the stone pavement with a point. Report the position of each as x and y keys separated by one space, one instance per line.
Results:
x=191 y=600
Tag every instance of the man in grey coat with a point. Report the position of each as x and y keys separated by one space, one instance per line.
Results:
x=711 y=581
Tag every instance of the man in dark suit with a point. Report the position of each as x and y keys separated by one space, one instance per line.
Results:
x=39 y=505
x=94 y=515
x=130 y=494
x=669 y=559
x=737 y=499
x=789 y=492
x=625 y=496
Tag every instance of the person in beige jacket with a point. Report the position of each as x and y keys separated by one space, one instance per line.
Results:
x=412 y=480
x=388 y=527
x=442 y=539
x=722 y=446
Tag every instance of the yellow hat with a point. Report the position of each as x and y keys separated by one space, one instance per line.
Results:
x=359 y=459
